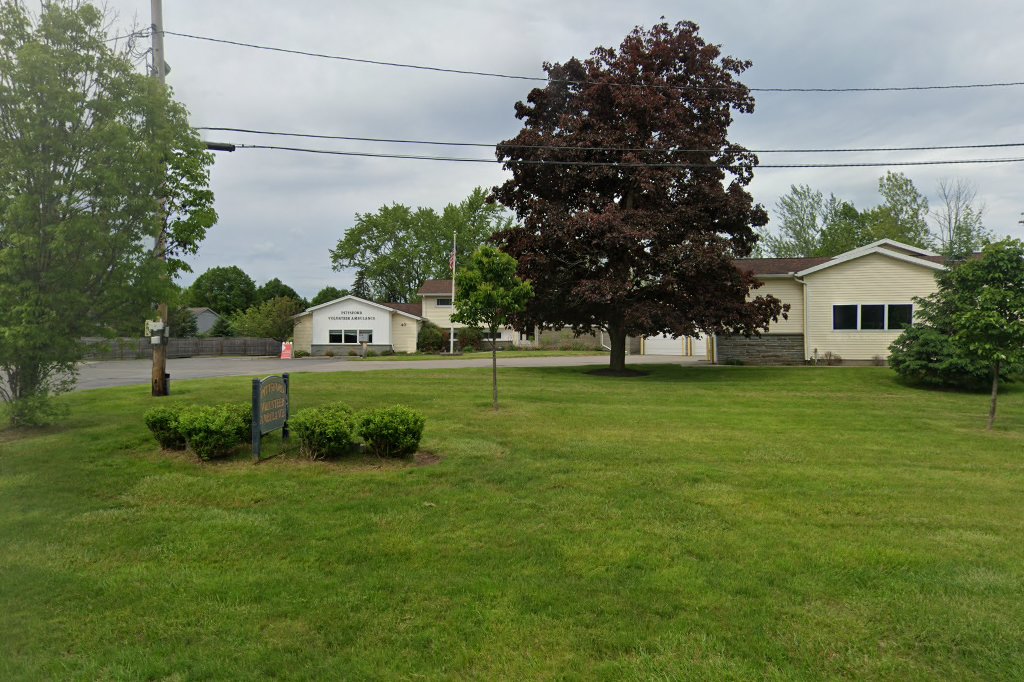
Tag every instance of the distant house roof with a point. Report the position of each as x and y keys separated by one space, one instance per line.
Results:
x=410 y=308
x=435 y=287
x=200 y=311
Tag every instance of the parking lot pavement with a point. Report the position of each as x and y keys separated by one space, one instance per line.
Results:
x=105 y=373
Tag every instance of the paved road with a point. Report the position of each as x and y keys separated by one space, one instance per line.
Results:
x=135 y=372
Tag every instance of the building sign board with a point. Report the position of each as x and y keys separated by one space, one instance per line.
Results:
x=271 y=404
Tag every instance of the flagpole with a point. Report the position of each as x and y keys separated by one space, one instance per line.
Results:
x=451 y=331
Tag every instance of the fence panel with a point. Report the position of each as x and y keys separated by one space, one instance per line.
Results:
x=133 y=349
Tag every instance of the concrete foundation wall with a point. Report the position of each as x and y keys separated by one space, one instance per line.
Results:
x=340 y=350
x=770 y=349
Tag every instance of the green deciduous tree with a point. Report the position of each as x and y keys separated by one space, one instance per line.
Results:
x=903 y=214
x=800 y=215
x=224 y=290
x=623 y=244
x=88 y=147
x=395 y=249
x=270 y=319
x=328 y=294
x=490 y=295
x=989 y=300
x=275 y=288
x=972 y=327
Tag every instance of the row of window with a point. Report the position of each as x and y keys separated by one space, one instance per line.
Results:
x=893 y=316
x=350 y=336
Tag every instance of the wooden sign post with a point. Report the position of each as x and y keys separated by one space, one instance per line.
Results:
x=271 y=402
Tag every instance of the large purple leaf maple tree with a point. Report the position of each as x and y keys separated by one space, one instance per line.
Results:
x=631 y=199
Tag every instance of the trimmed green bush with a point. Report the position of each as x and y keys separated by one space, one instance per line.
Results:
x=301 y=354
x=216 y=431
x=392 y=431
x=430 y=338
x=163 y=424
x=324 y=432
x=925 y=355
x=472 y=338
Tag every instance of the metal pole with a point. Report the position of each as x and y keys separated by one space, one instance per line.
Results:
x=451 y=330
x=159 y=374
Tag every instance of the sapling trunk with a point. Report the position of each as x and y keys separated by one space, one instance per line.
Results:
x=494 y=367
x=995 y=394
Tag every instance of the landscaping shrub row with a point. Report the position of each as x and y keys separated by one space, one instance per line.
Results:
x=322 y=432
x=334 y=430
x=209 y=431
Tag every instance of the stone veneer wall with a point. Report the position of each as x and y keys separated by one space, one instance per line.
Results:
x=770 y=349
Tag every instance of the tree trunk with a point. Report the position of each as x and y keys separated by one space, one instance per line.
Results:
x=995 y=393
x=617 y=341
x=494 y=367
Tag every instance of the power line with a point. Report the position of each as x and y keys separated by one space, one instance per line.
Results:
x=880 y=164
x=607 y=149
x=489 y=74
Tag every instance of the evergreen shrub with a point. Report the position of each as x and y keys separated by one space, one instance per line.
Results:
x=324 y=432
x=392 y=431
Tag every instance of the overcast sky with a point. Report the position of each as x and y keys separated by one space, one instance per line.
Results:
x=281 y=213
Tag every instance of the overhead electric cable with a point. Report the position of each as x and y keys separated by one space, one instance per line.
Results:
x=879 y=164
x=542 y=79
x=606 y=149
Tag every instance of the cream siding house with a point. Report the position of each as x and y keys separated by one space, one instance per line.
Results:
x=347 y=323
x=851 y=306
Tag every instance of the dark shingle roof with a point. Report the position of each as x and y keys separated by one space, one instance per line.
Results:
x=435 y=287
x=777 y=266
x=411 y=308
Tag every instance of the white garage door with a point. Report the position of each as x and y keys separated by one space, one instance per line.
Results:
x=663 y=345
x=666 y=345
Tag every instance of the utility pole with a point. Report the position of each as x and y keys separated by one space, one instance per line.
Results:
x=159 y=376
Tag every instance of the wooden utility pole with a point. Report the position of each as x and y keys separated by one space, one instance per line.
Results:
x=159 y=376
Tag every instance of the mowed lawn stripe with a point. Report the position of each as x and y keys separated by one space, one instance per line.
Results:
x=793 y=523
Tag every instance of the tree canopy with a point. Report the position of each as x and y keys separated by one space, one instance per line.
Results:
x=328 y=294
x=269 y=319
x=275 y=288
x=640 y=238
x=88 y=148
x=809 y=225
x=396 y=248
x=224 y=290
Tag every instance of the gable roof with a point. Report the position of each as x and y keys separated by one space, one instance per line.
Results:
x=798 y=267
x=200 y=311
x=390 y=307
x=436 y=287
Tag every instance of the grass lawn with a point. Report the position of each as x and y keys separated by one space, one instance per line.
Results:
x=476 y=355
x=739 y=523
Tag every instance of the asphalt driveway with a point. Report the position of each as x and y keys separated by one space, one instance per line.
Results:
x=102 y=374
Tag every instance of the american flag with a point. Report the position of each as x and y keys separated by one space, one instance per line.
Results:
x=451 y=261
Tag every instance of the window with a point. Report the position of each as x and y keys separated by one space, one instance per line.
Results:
x=444 y=303
x=844 y=317
x=900 y=315
x=349 y=336
x=486 y=335
x=872 y=316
